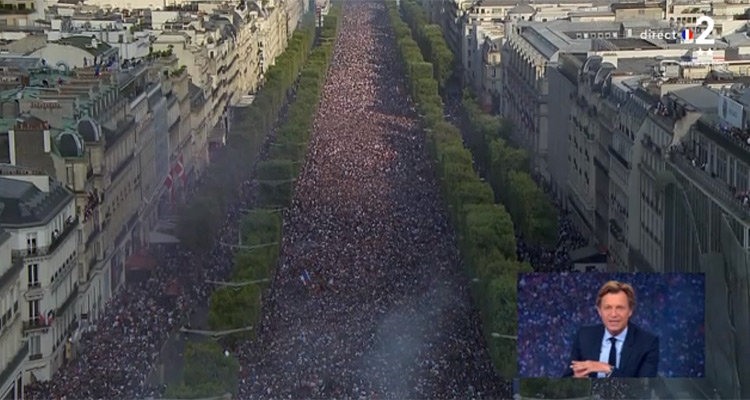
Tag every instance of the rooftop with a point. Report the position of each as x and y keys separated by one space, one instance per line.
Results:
x=84 y=43
x=601 y=13
x=549 y=39
x=24 y=204
x=21 y=62
x=522 y=9
x=737 y=39
x=634 y=6
x=702 y=98
x=625 y=44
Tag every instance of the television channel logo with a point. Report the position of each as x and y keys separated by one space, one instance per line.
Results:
x=689 y=35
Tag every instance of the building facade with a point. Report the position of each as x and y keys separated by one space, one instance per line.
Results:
x=39 y=214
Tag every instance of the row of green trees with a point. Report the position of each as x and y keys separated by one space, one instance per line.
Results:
x=429 y=37
x=200 y=220
x=484 y=229
x=507 y=170
x=488 y=137
x=261 y=229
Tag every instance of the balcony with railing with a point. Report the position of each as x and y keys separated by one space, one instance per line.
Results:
x=93 y=200
x=35 y=324
x=737 y=141
x=738 y=203
x=57 y=239
x=34 y=291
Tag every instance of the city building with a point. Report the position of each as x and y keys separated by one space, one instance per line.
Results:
x=663 y=145
x=707 y=221
x=21 y=13
x=39 y=215
x=111 y=29
x=13 y=349
x=75 y=126
x=76 y=52
x=525 y=96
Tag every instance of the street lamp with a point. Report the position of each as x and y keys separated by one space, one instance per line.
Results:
x=501 y=336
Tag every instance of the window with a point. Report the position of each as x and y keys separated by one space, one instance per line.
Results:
x=35 y=345
x=34 y=310
x=31 y=243
x=69 y=175
x=33 y=275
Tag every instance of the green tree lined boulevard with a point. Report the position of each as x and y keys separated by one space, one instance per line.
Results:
x=208 y=372
x=200 y=220
x=484 y=228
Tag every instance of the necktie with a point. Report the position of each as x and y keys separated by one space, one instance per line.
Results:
x=613 y=352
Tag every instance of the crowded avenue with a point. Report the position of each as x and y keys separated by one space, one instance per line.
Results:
x=384 y=310
x=393 y=316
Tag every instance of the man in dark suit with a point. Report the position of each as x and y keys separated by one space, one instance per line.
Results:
x=616 y=348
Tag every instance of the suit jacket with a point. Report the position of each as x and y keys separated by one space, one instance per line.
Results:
x=639 y=357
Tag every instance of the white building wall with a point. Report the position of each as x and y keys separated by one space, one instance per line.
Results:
x=47 y=281
x=11 y=336
x=70 y=55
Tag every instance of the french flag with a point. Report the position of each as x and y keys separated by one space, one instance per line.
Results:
x=306 y=280
x=687 y=35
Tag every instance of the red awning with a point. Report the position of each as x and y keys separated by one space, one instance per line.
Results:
x=173 y=289
x=140 y=261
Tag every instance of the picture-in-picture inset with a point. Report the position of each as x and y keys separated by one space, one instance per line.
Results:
x=601 y=325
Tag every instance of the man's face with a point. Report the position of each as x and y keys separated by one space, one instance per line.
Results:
x=615 y=312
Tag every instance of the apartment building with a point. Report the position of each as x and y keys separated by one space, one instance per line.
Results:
x=656 y=173
x=637 y=11
x=489 y=86
x=525 y=96
x=605 y=134
x=20 y=42
x=110 y=29
x=707 y=223
x=39 y=215
x=21 y=13
x=226 y=55
x=13 y=349
x=199 y=130
x=75 y=126
x=77 y=52
x=491 y=19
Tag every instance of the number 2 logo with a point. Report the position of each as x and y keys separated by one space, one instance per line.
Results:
x=703 y=37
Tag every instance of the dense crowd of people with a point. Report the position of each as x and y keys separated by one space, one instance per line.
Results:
x=386 y=312
x=382 y=310
x=552 y=306
x=115 y=356
x=114 y=359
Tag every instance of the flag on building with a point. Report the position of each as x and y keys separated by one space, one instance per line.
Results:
x=169 y=183
x=179 y=169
